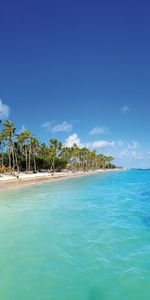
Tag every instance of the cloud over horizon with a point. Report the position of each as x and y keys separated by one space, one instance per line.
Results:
x=100 y=144
x=4 y=110
x=124 y=151
x=133 y=145
x=73 y=139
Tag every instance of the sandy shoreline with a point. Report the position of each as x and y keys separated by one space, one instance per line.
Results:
x=8 y=182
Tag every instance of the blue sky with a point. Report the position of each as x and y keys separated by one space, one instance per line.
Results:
x=79 y=71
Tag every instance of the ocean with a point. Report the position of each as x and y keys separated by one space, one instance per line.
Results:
x=86 y=238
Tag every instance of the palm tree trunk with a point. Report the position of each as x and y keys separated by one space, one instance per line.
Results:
x=2 y=159
x=26 y=156
x=29 y=160
x=13 y=156
x=34 y=163
x=9 y=157
x=16 y=162
x=53 y=164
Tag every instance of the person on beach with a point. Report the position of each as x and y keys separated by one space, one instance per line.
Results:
x=17 y=174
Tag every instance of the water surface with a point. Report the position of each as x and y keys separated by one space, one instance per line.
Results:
x=86 y=238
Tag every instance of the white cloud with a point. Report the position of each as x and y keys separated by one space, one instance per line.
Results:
x=120 y=143
x=47 y=126
x=131 y=153
x=124 y=153
x=99 y=130
x=100 y=144
x=73 y=139
x=63 y=127
x=137 y=156
x=133 y=145
x=125 y=109
x=4 y=110
x=128 y=155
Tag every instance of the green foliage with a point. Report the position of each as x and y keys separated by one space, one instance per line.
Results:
x=24 y=152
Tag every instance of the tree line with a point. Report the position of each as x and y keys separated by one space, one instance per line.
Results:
x=24 y=152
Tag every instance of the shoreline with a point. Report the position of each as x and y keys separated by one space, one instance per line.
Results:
x=8 y=182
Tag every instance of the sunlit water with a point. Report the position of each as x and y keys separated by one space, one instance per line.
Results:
x=80 y=239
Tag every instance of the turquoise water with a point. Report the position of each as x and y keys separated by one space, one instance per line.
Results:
x=80 y=239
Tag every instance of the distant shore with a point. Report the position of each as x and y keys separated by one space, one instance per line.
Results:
x=10 y=181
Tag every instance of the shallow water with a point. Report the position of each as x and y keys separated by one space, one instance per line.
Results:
x=80 y=239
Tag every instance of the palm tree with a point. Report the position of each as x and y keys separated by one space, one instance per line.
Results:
x=9 y=133
x=84 y=152
x=43 y=150
x=55 y=150
x=75 y=156
x=24 y=141
x=108 y=160
x=23 y=150
x=34 y=150
x=17 y=153
x=66 y=153
x=2 y=138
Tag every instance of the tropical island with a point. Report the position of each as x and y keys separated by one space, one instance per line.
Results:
x=22 y=153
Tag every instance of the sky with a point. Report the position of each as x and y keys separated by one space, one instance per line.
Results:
x=79 y=71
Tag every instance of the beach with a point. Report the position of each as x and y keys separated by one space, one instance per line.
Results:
x=8 y=181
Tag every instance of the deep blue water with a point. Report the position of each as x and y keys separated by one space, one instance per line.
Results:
x=80 y=239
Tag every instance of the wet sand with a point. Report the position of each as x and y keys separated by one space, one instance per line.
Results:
x=8 y=182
